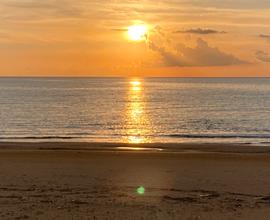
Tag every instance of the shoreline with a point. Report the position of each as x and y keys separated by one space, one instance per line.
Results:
x=142 y=147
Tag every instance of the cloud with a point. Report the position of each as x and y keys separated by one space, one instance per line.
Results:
x=201 y=55
x=39 y=10
x=200 y=31
x=239 y=4
x=120 y=29
x=29 y=4
x=118 y=13
x=265 y=36
x=263 y=56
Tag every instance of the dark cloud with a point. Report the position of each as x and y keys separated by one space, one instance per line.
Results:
x=200 y=31
x=201 y=55
x=263 y=56
x=265 y=36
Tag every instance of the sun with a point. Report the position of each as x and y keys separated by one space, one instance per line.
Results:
x=137 y=32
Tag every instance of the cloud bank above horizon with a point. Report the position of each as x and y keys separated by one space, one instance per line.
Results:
x=186 y=38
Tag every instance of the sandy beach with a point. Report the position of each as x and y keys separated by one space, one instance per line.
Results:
x=46 y=181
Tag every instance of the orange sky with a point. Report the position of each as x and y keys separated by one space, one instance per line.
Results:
x=89 y=38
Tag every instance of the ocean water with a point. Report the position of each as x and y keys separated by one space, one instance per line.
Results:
x=134 y=110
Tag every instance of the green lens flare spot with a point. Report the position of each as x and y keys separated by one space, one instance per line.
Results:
x=141 y=190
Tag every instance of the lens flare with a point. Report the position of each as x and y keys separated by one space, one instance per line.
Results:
x=141 y=190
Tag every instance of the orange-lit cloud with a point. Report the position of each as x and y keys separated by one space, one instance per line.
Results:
x=201 y=55
x=263 y=56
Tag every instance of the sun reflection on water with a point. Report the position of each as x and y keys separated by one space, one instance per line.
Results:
x=137 y=122
x=135 y=83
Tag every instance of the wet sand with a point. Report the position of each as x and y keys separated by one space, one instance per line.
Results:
x=80 y=181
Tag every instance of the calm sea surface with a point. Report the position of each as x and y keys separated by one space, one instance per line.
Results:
x=135 y=110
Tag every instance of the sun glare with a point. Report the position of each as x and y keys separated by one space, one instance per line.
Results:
x=135 y=83
x=137 y=32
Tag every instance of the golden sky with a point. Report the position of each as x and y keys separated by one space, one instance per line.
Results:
x=89 y=38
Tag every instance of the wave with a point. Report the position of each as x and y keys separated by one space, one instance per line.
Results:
x=37 y=137
x=246 y=138
x=229 y=136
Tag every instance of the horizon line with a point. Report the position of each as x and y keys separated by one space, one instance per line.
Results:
x=135 y=77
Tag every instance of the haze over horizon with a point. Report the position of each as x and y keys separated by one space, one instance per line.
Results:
x=182 y=38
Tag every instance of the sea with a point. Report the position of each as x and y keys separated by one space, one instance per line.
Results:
x=135 y=110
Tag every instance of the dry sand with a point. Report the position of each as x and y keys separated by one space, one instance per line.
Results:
x=47 y=181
